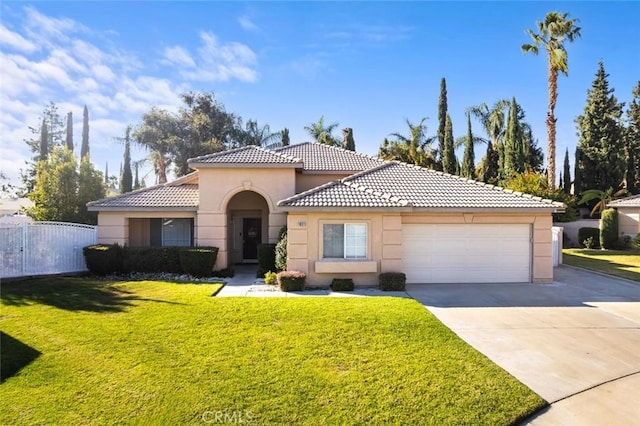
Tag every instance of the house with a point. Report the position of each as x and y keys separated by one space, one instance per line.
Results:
x=628 y=215
x=347 y=214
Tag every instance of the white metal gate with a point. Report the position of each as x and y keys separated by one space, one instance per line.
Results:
x=40 y=248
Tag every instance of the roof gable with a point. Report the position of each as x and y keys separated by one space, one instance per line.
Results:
x=632 y=201
x=320 y=157
x=251 y=155
x=167 y=196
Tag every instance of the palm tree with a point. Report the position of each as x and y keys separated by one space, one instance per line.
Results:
x=603 y=197
x=322 y=133
x=413 y=149
x=261 y=135
x=158 y=134
x=552 y=33
x=493 y=120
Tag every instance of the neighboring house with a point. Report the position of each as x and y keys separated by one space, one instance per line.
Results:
x=628 y=214
x=348 y=215
x=12 y=210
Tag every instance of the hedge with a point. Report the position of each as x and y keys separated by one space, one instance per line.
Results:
x=342 y=284
x=392 y=281
x=609 y=229
x=103 y=259
x=291 y=280
x=198 y=261
x=585 y=233
x=153 y=259
x=266 y=259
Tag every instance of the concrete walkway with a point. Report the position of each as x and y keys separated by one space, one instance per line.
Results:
x=575 y=342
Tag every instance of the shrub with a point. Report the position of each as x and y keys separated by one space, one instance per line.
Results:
x=271 y=278
x=585 y=233
x=392 y=281
x=224 y=273
x=342 y=284
x=266 y=258
x=281 y=251
x=153 y=259
x=624 y=243
x=291 y=280
x=103 y=259
x=588 y=243
x=609 y=229
x=198 y=261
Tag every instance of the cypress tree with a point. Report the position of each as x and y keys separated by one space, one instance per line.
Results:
x=136 y=181
x=513 y=143
x=561 y=181
x=449 y=155
x=577 y=173
x=84 y=149
x=285 y=137
x=632 y=140
x=347 y=139
x=126 y=181
x=44 y=141
x=69 y=139
x=600 y=137
x=468 y=159
x=567 y=174
x=442 y=119
x=106 y=173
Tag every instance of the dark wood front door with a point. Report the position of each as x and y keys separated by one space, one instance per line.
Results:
x=251 y=237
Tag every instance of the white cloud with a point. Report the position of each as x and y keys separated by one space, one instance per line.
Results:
x=15 y=41
x=247 y=24
x=178 y=56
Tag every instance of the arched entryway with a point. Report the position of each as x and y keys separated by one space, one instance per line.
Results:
x=247 y=226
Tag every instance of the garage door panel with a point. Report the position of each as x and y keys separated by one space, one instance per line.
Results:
x=466 y=253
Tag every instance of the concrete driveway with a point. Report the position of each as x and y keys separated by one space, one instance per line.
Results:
x=575 y=342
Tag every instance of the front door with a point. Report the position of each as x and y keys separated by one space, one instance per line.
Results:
x=251 y=237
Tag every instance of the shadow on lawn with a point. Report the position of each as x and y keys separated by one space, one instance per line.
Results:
x=14 y=356
x=73 y=294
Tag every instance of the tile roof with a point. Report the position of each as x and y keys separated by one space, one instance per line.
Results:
x=419 y=188
x=320 y=157
x=633 y=201
x=336 y=194
x=169 y=196
x=251 y=154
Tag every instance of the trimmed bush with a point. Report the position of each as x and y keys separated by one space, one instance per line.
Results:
x=281 y=251
x=198 y=261
x=609 y=229
x=586 y=233
x=291 y=280
x=271 y=278
x=153 y=259
x=342 y=284
x=266 y=259
x=392 y=281
x=103 y=259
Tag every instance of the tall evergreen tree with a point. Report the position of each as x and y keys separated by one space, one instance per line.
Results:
x=106 y=173
x=513 y=143
x=468 y=159
x=442 y=122
x=600 y=137
x=347 y=139
x=552 y=34
x=567 y=173
x=44 y=141
x=126 y=180
x=577 y=161
x=84 y=148
x=285 y=137
x=632 y=141
x=90 y=188
x=449 y=160
x=69 y=138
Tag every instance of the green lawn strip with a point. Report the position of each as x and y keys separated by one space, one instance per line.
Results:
x=624 y=264
x=172 y=354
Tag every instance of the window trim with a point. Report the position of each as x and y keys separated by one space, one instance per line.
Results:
x=367 y=226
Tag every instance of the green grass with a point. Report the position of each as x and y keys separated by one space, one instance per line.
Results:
x=97 y=352
x=624 y=264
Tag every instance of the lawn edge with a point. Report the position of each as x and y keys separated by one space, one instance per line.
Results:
x=598 y=272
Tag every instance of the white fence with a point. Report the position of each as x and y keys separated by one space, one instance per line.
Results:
x=40 y=248
x=556 y=244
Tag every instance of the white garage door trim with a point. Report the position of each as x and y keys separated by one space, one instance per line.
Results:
x=466 y=253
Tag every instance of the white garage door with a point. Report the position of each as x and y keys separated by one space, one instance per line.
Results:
x=466 y=253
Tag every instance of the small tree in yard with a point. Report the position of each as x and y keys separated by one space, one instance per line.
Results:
x=609 y=229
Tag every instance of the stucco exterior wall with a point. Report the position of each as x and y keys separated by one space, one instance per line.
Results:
x=218 y=186
x=306 y=181
x=385 y=242
x=113 y=226
x=628 y=221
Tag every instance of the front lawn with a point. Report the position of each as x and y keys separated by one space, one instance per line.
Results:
x=624 y=264
x=82 y=351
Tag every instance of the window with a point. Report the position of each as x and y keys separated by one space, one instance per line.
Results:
x=172 y=232
x=344 y=241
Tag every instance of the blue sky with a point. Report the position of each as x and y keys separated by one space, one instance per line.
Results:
x=366 y=65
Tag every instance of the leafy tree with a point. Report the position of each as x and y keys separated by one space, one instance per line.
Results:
x=602 y=198
x=347 y=139
x=69 y=138
x=601 y=164
x=442 y=126
x=468 y=159
x=567 y=173
x=632 y=141
x=90 y=188
x=126 y=180
x=158 y=133
x=322 y=133
x=54 y=196
x=535 y=183
x=413 y=149
x=284 y=134
x=448 y=154
x=552 y=34
x=84 y=148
